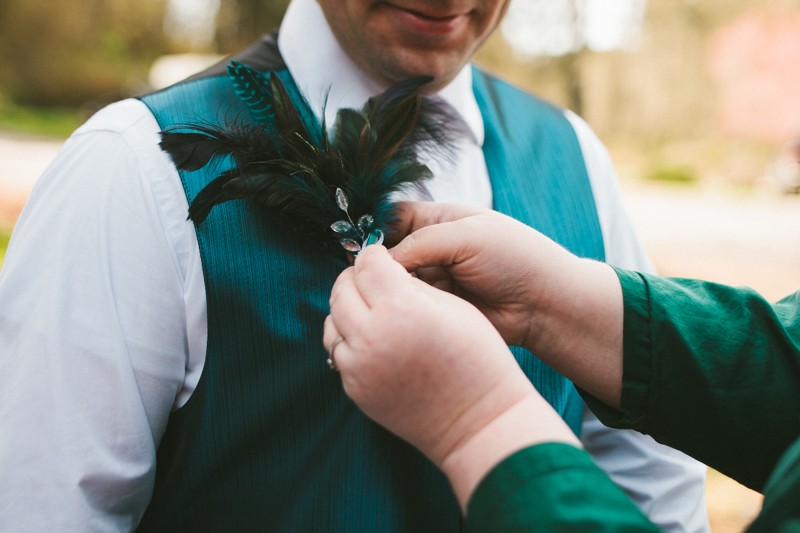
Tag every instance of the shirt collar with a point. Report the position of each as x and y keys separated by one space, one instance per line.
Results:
x=321 y=68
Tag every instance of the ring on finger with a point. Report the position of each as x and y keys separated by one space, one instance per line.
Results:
x=331 y=360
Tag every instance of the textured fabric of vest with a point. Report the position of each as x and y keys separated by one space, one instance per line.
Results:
x=268 y=441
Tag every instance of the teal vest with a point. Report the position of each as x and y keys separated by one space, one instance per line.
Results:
x=268 y=441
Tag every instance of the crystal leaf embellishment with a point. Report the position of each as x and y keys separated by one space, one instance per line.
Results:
x=351 y=232
x=341 y=200
x=342 y=226
x=350 y=245
x=365 y=223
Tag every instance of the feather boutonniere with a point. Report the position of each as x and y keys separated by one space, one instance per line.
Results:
x=325 y=183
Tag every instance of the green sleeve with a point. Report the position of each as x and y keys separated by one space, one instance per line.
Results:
x=781 y=510
x=551 y=487
x=711 y=370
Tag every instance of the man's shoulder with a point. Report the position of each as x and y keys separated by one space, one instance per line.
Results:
x=263 y=55
x=122 y=117
x=208 y=95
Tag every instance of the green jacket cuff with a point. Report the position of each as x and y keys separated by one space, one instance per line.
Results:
x=551 y=487
x=636 y=373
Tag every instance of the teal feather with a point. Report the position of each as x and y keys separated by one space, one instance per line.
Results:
x=252 y=88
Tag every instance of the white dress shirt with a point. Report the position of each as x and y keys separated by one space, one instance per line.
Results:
x=103 y=310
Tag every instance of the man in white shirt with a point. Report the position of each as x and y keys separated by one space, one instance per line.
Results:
x=104 y=316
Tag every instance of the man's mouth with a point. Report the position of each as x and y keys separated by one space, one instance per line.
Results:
x=428 y=21
x=431 y=16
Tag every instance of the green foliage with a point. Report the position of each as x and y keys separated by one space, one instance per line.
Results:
x=97 y=51
x=672 y=174
x=71 y=53
x=51 y=122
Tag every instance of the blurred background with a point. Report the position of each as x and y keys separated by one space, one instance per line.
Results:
x=697 y=100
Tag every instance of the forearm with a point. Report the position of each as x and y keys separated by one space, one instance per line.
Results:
x=577 y=327
x=528 y=422
x=710 y=370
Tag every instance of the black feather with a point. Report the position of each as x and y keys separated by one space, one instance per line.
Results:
x=212 y=194
x=191 y=147
x=286 y=163
x=189 y=151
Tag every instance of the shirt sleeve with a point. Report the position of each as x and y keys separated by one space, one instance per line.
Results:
x=666 y=484
x=551 y=487
x=622 y=245
x=93 y=342
x=712 y=370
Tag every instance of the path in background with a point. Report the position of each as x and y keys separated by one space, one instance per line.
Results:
x=692 y=232
x=719 y=235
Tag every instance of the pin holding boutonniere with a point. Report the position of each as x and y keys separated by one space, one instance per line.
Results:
x=352 y=232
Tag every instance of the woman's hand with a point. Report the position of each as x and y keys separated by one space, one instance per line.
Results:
x=432 y=369
x=503 y=267
x=566 y=310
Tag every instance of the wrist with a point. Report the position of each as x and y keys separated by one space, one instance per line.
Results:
x=553 y=310
x=580 y=331
x=529 y=421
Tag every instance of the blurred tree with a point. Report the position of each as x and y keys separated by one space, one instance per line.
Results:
x=191 y=24
x=569 y=63
x=563 y=33
x=543 y=30
x=71 y=53
x=240 y=22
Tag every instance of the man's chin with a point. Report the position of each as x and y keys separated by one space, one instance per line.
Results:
x=441 y=74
